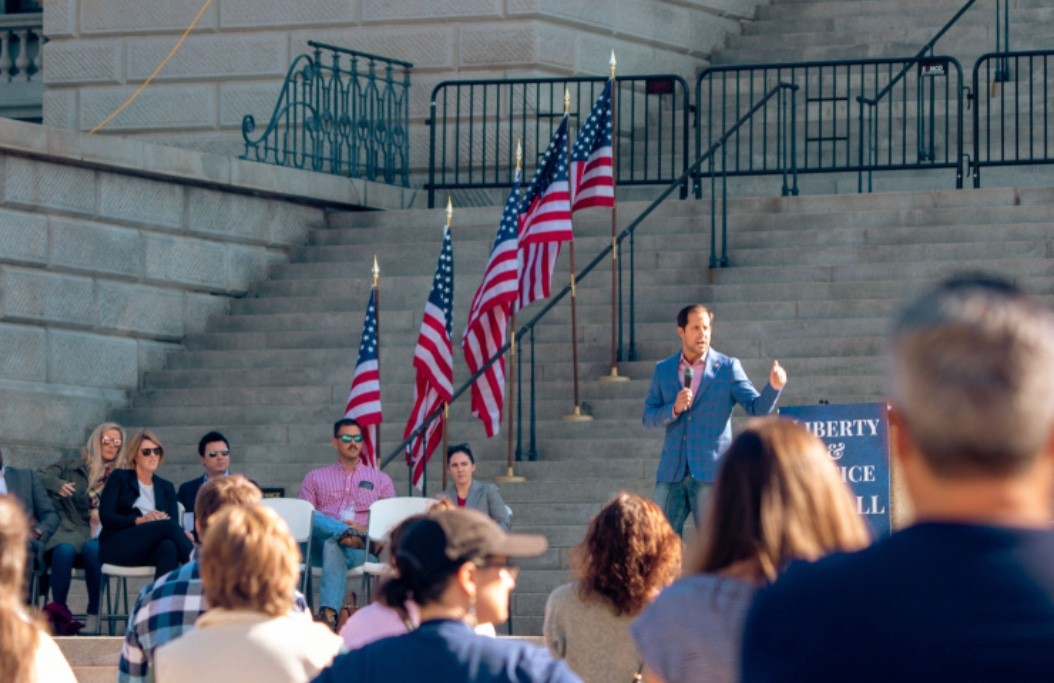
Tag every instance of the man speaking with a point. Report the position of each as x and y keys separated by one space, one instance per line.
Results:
x=692 y=395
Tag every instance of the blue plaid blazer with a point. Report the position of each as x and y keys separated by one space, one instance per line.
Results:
x=699 y=435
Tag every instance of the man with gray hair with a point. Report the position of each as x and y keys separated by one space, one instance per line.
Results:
x=966 y=593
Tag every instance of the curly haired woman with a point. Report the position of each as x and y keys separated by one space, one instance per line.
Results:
x=628 y=555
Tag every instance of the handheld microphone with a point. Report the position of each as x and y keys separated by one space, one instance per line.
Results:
x=688 y=377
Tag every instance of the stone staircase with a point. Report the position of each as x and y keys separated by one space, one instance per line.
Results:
x=813 y=282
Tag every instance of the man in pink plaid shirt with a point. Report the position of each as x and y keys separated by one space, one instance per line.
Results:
x=342 y=494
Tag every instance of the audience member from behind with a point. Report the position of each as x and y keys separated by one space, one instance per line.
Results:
x=75 y=485
x=139 y=512
x=248 y=633
x=27 y=652
x=629 y=553
x=456 y=565
x=169 y=607
x=778 y=498
x=381 y=620
x=967 y=592
x=465 y=491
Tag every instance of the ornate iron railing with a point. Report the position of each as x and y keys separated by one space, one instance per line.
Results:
x=1013 y=117
x=475 y=126
x=341 y=112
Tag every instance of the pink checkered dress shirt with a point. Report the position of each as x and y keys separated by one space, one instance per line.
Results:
x=333 y=488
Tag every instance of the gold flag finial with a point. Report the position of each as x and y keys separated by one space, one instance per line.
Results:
x=567 y=101
x=519 y=154
x=613 y=63
x=449 y=210
x=376 y=270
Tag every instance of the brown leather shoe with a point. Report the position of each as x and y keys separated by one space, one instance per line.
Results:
x=352 y=541
x=328 y=616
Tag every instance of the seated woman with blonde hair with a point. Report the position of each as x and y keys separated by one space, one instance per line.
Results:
x=27 y=652
x=75 y=485
x=778 y=498
x=629 y=553
x=249 y=568
x=140 y=513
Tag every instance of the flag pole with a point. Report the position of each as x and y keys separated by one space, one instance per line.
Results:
x=510 y=470
x=576 y=415
x=446 y=439
x=446 y=406
x=377 y=313
x=613 y=375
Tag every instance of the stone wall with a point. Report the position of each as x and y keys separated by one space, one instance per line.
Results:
x=112 y=250
x=234 y=62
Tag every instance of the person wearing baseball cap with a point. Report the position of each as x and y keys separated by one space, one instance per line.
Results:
x=457 y=565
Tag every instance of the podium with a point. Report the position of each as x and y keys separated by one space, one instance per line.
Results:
x=857 y=438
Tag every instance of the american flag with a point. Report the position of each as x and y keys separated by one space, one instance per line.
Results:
x=593 y=182
x=486 y=331
x=545 y=220
x=434 y=362
x=364 y=399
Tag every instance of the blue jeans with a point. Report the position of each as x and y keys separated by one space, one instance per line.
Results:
x=63 y=557
x=677 y=498
x=334 y=559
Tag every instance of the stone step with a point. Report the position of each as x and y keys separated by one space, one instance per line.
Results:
x=92 y=658
x=857 y=280
x=941 y=10
x=653 y=235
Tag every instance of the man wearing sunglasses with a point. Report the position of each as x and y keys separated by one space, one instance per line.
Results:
x=215 y=454
x=342 y=494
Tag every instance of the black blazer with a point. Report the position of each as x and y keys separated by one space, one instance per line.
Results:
x=120 y=493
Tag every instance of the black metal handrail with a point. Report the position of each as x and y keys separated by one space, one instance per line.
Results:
x=475 y=125
x=923 y=58
x=333 y=116
x=925 y=51
x=832 y=137
x=928 y=71
x=1023 y=105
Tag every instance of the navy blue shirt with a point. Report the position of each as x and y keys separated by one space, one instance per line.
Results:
x=444 y=651
x=934 y=602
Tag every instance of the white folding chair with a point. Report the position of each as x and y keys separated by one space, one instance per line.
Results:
x=385 y=515
x=112 y=600
x=297 y=515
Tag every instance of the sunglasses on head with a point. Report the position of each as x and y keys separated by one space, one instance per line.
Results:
x=348 y=438
x=151 y=452
x=224 y=452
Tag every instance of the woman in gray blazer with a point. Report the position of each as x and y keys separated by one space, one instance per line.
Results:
x=465 y=491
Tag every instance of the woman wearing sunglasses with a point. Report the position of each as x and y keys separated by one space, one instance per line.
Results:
x=75 y=485
x=139 y=512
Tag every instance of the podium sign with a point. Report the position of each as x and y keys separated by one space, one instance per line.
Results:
x=857 y=437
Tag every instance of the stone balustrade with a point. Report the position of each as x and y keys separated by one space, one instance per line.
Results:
x=21 y=57
x=21 y=66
